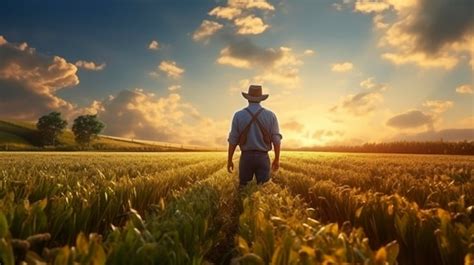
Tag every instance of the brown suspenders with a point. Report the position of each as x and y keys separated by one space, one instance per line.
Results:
x=266 y=135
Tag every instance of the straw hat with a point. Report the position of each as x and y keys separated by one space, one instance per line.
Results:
x=255 y=94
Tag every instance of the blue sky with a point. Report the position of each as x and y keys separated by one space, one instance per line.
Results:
x=337 y=71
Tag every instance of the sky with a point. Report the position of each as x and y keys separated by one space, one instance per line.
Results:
x=337 y=72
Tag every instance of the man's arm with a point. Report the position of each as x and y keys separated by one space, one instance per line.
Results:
x=233 y=141
x=230 y=154
x=276 y=161
x=276 y=139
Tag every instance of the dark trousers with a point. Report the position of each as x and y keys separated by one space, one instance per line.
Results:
x=254 y=163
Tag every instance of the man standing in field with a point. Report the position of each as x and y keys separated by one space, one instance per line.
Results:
x=254 y=129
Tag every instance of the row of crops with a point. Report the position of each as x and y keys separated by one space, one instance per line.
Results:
x=184 y=208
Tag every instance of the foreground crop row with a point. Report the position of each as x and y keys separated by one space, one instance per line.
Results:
x=184 y=208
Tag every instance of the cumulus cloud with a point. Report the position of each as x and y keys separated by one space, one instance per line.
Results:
x=30 y=80
x=154 y=45
x=428 y=33
x=245 y=54
x=438 y=106
x=411 y=119
x=363 y=102
x=250 y=25
x=171 y=69
x=370 y=83
x=279 y=66
x=226 y=12
x=206 y=30
x=464 y=89
x=366 y=6
x=242 y=15
x=293 y=125
x=309 y=52
x=142 y=115
x=251 y=4
x=90 y=66
x=342 y=67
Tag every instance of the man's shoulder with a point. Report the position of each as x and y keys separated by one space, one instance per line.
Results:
x=244 y=112
x=269 y=112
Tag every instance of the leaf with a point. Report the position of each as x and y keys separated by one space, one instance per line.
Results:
x=100 y=256
x=243 y=246
x=251 y=259
x=81 y=243
x=42 y=204
x=381 y=256
x=6 y=253
x=359 y=211
x=63 y=256
x=392 y=252
x=4 y=231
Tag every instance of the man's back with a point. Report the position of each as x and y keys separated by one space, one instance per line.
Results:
x=255 y=140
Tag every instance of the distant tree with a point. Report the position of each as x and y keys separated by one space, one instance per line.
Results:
x=86 y=128
x=50 y=126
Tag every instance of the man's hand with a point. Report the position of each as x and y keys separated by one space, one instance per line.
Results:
x=230 y=166
x=276 y=164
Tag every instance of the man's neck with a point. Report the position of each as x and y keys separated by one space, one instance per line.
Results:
x=254 y=104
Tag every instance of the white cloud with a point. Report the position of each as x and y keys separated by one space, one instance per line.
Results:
x=309 y=52
x=174 y=88
x=342 y=67
x=91 y=66
x=464 y=89
x=241 y=15
x=206 y=30
x=29 y=82
x=430 y=34
x=438 y=106
x=141 y=115
x=250 y=25
x=251 y=4
x=379 y=23
x=171 y=69
x=370 y=83
x=154 y=45
x=364 y=102
x=366 y=6
x=225 y=12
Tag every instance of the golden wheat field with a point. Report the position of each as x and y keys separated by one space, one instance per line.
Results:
x=185 y=208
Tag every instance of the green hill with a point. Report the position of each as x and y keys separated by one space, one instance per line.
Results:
x=18 y=135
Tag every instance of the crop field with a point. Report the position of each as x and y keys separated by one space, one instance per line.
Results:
x=185 y=208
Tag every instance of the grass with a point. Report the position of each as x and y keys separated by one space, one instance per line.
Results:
x=19 y=135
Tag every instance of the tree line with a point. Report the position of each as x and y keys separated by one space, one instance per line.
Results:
x=403 y=147
x=85 y=128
